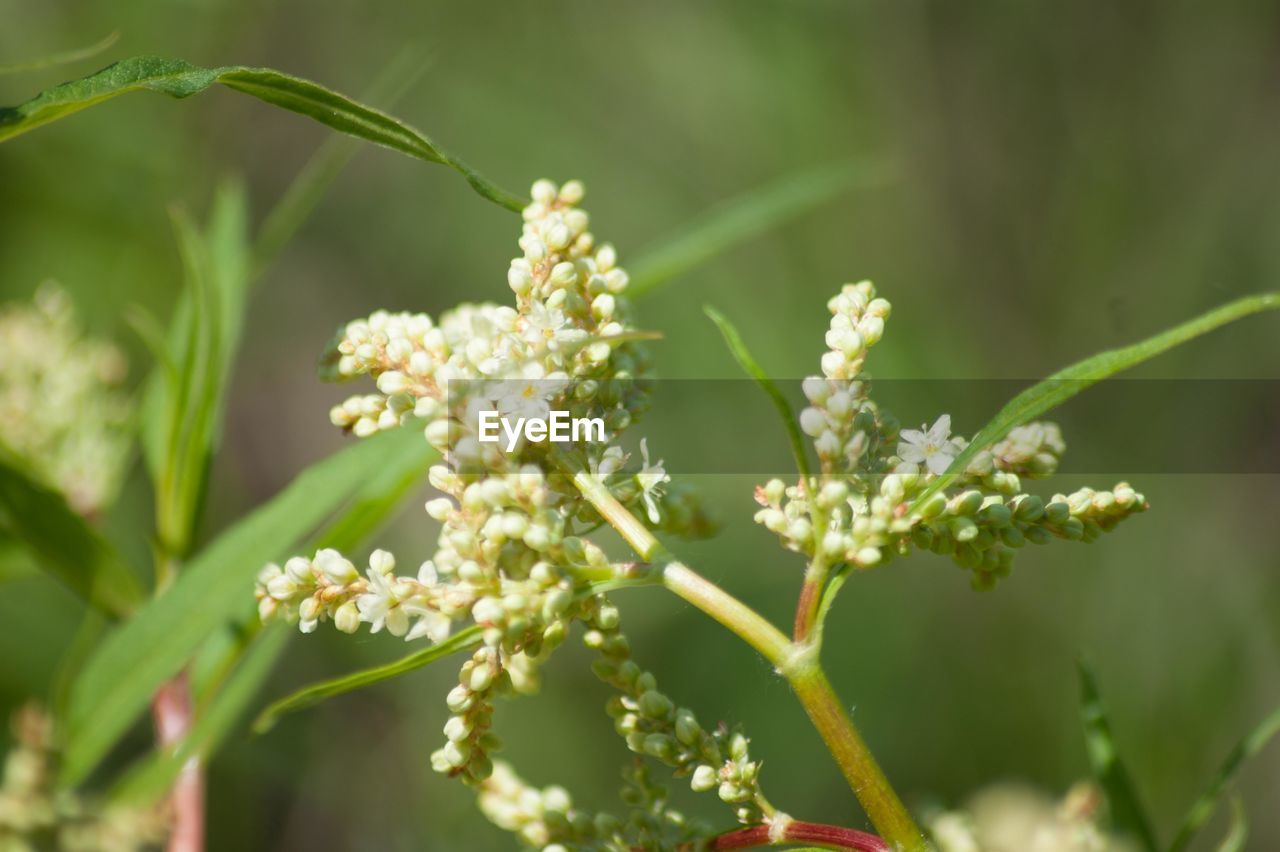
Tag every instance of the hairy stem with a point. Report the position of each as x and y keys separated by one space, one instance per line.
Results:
x=796 y=661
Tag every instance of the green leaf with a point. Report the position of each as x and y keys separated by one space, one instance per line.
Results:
x=1066 y=383
x=374 y=502
x=749 y=365
x=181 y=79
x=183 y=408
x=62 y=543
x=1127 y=813
x=1238 y=833
x=738 y=219
x=1204 y=806
x=148 y=780
x=16 y=561
x=153 y=646
x=463 y=640
x=66 y=57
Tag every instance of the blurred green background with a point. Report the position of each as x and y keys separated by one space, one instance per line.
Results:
x=1067 y=177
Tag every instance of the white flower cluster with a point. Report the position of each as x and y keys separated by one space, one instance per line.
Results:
x=859 y=511
x=840 y=418
x=35 y=814
x=61 y=401
x=512 y=555
x=1015 y=817
x=545 y=818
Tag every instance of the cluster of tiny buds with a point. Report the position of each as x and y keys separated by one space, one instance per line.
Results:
x=62 y=402
x=328 y=587
x=842 y=421
x=868 y=503
x=652 y=724
x=859 y=529
x=36 y=814
x=546 y=819
x=857 y=323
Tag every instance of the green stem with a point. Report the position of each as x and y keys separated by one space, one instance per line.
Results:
x=796 y=661
x=857 y=764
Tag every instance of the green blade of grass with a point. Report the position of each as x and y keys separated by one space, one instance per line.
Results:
x=1238 y=833
x=1066 y=383
x=118 y=681
x=1204 y=806
x=322 y=169
x=1128 y=816
x=737 y=219
x=309 y=696
x=63 y=544
x=752 y=368
x=180 y=79
x=66 y=57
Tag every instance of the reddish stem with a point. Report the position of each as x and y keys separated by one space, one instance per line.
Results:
x=829 y=836
x=171 y=713
x=806 y=610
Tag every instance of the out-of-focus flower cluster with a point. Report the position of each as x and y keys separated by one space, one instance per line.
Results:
x=862 y=509
x=61 y=404
x=1013 y=818
x=513 y=555
x=35 y=814
x=547 y=819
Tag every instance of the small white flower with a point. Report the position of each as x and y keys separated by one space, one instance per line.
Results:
x=542 y=324
x=380 y=606
x=531 y=395
x=610 y=461
x=933 y=448
x=651 y=479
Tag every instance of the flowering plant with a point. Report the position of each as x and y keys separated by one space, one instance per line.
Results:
x=518 y=567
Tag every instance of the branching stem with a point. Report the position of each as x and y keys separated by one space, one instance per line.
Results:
x=796 y=661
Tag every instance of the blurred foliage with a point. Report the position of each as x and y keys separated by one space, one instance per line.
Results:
x=1065 y=178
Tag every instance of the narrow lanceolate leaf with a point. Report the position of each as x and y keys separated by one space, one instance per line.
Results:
x=1066 y=383
x=64 y=58
x=181 y=79
x=309 y=696
x=152 y=647
x=753 y=369
x=371 y=506
x=1238 y=833
x=62 y=543
x=738 y=219
x=1204 y=806
x=1127 y=813
x=183 y=410
x=148 y=781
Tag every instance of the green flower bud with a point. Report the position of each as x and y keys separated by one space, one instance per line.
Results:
x=660 y=746
x=966 y=503
x=704 y=778
x=933 y=506
x=1030 y=508
x=688 y=731
x=655 y=705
